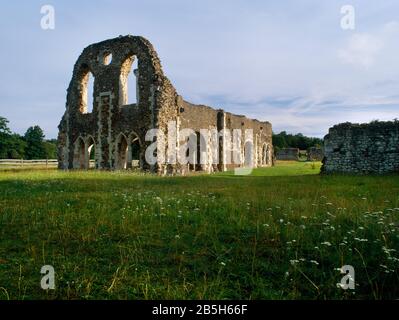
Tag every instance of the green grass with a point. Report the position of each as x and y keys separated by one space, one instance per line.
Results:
x=277 y=234
x=286 y=168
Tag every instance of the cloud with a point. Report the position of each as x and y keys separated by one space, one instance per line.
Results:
x=361 y=50
x=364 y=49
x=283 y=62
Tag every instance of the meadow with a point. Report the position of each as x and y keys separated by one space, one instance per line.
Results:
x=280 y=233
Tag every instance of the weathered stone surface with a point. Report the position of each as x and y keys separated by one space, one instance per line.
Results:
x=288 y=154
x=116 y=130
x=362 y=148
x=315 y=154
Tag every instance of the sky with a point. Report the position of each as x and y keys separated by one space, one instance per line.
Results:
x=288 y=62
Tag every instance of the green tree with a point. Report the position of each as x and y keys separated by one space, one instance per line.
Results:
x=35 y=146
x=5 y=134
x=51 y=148
x=16 y=147
x=279 y=141
x=4 y=129
x=284 y=140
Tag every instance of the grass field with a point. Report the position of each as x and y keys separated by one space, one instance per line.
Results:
x=280 y=233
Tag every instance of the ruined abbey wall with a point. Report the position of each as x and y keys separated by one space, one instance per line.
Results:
x=288 y=154
x=114 y=132
x=199 y=117
x=315 y=154
x=362 y=148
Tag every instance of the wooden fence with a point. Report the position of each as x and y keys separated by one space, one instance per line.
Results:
x=28 y=163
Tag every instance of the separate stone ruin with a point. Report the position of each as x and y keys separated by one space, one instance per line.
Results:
x=315 y=154
x=362 y=148
x=303 y=154
x=288 y=154
x=112 y=129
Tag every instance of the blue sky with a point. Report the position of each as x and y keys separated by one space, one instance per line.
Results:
x=288 y=62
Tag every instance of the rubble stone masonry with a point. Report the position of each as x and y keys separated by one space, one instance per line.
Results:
x=114 y=131
x=362 y=148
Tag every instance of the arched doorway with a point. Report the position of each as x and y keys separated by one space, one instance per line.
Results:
x=248 y=154
x=91 y=150
x=268 y=155
x=79 y=154
x=200 y=159
x=264 y=155
x=134 y=152
x=121 y=152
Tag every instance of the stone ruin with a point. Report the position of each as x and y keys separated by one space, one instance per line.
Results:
x=314 y=154
x=288 y=154
x=362 y=148
x=113 y=132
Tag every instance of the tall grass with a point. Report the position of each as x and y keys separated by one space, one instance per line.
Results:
x=280 y=233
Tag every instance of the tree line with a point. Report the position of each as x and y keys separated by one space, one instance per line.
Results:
x=31 y=145
x=284 y=140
